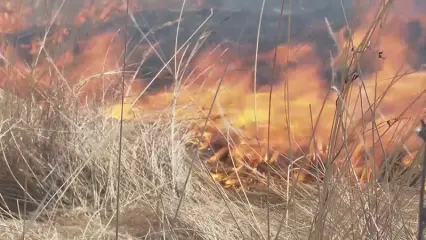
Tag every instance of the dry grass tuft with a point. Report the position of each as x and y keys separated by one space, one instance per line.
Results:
x=66 y=164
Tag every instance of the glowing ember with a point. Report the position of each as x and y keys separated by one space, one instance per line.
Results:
x=374 y=105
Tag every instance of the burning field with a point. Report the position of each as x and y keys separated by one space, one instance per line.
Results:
x=327 y=94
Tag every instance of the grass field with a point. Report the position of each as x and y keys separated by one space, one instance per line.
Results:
x=59 y=172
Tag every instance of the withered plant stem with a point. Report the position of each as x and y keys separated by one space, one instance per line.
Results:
x=120 y=141
x=262 y=9
x=422 y=209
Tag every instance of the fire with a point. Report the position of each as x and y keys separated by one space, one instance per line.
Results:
x=376 y=106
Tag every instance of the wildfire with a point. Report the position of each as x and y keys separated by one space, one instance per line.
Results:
x=383 y=93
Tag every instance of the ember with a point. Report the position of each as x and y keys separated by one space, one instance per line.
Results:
x=333 y=100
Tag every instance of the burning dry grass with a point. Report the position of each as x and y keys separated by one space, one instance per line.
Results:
x=65 y=162
x=58 y=168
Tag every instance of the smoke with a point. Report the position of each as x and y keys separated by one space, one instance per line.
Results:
x=416 y=41
x=313 y=22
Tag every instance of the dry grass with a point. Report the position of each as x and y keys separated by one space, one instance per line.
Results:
x=67 y=164
x=58 y=168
